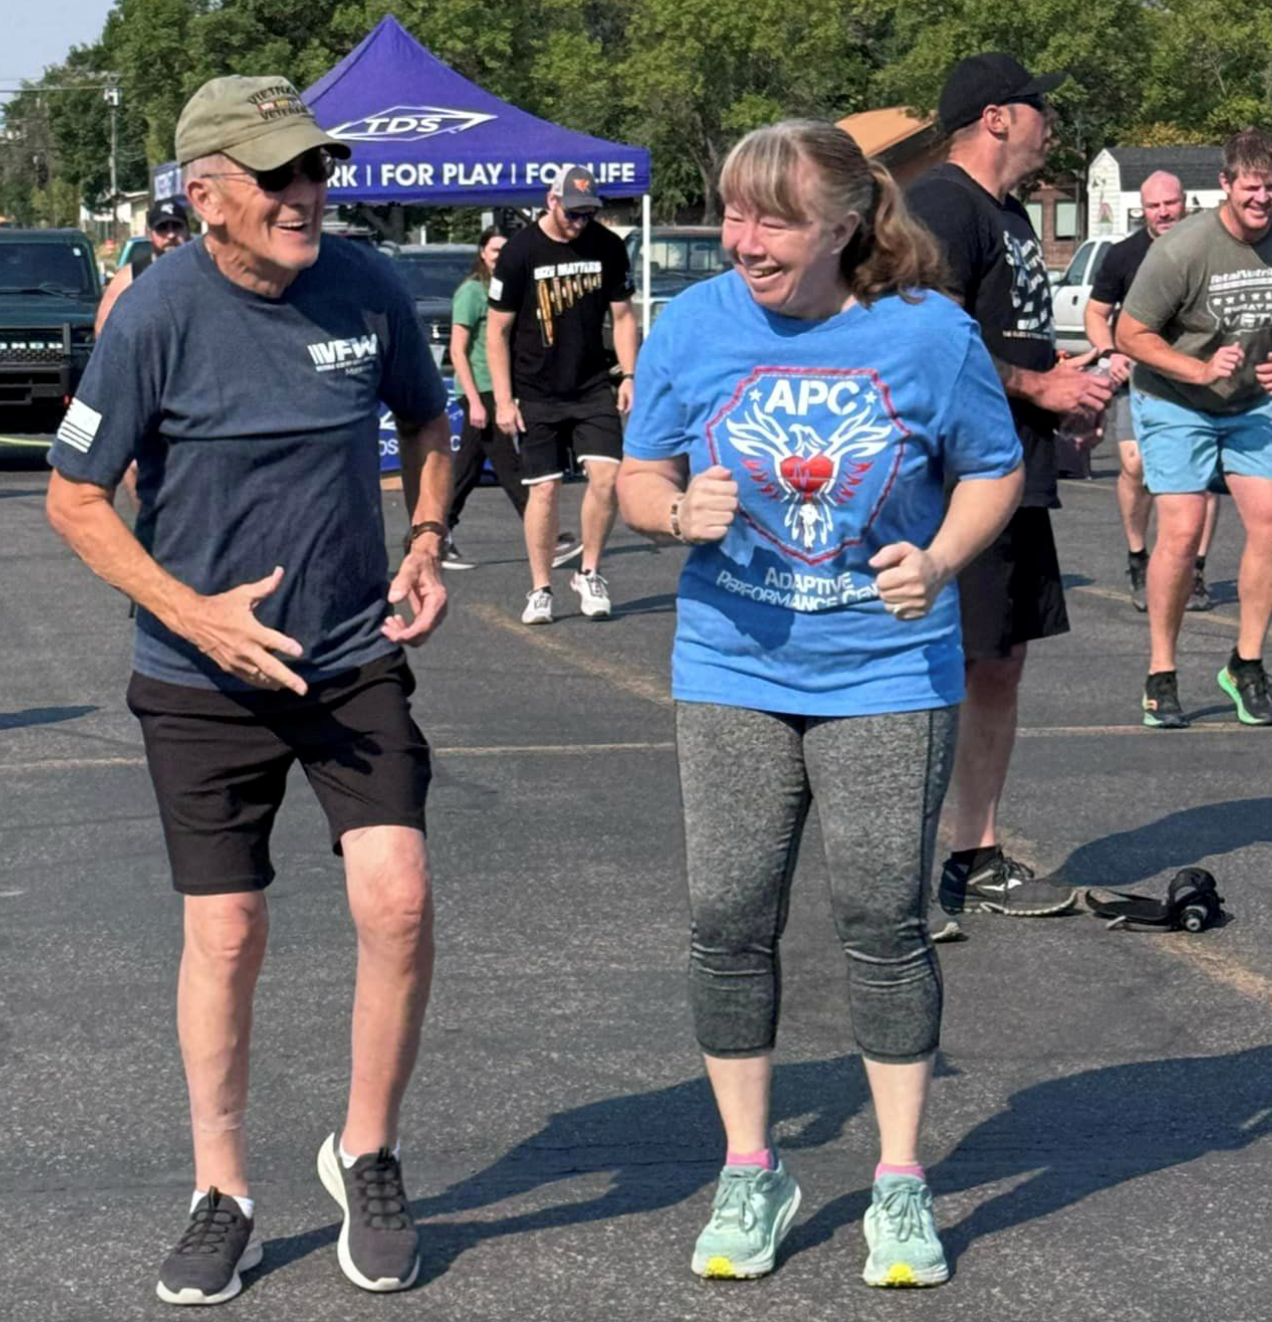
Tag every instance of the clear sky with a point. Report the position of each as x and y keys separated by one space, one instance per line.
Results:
x=38 y=33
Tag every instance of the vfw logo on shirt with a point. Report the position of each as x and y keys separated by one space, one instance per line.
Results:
x=815 y=451
x=348 y=356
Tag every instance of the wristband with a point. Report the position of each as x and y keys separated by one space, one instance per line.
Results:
x=419 y=529
x=627 y=376
x=673 y=518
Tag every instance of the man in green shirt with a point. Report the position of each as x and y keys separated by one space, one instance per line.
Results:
x=1198 y=323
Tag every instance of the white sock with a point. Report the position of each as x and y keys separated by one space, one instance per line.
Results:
x=347 y=1161
x=246 y=1205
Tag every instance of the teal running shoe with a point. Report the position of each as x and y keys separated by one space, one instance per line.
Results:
x=901 y=1235
x=750 y=1217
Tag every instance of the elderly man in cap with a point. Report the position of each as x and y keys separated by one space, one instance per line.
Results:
x=167 y=227
x=553 y=284
x=1000 y=128
x=244 y=374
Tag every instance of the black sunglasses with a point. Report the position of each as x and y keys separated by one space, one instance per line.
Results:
x=170 y=227
x=585 y=214
x=317 y=165
x=1034 y=102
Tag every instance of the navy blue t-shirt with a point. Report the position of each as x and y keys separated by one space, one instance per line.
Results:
x=254 y=423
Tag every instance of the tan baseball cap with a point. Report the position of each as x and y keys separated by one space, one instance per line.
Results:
x=260 y=122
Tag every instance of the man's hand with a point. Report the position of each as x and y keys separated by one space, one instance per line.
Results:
x=708 y=505
x=909 y=579
x=1120 y=369
x=1068 y=387
x=1224 y=363
x=224 y=628
x=477 y=416
x=626 y=391
x=508 y=419
x=419 y=583
x=1263 y=373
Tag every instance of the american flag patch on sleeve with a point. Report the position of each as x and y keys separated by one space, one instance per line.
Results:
x=79 y=427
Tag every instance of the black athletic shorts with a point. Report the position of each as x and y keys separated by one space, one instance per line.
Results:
x=219 y=764
x=589 y=426
x=1012 y=593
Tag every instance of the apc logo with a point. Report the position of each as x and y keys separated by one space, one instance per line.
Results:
x=409 y=124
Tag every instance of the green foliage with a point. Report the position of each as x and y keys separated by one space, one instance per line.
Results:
x=684 y=77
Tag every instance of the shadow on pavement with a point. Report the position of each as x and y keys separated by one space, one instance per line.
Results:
x=1071 y=1137
x=17 y=720
x=1176 y=841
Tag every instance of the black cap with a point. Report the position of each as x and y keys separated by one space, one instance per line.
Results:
x=165 y=213
x=576 y=187
x=992 y=79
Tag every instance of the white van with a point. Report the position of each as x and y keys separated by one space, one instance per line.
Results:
x=1071 y=291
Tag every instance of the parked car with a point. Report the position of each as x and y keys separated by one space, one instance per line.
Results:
x=679 y=256
x=49 y=292
x=136 y=246
x=433 y=272
x=1072 y=290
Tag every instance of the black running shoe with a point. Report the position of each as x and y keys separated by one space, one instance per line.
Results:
x=1161 y=702
x=1004 y=886
x=453 y=559
x=567 y=547
x=217 y=1245
x=1199 y=599
x=379 y=1248
x=1247 y=686
x=1137 y=572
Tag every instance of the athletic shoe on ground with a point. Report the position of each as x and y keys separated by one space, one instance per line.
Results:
x=751 y=1214
x=1248 y=688
x=217 y=1245
x=1137 y=572
x=593 y=593
x=901 y=1235
x=1199 y=599
x=538 y=607
x=1161 y=702
x=451 y=558
x=379 y=1248
x=567 y=547
x=1001 y=885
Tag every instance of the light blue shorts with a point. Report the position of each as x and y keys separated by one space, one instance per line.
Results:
x=1184 y=449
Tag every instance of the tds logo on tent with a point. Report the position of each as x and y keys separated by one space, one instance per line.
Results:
x=409 y=124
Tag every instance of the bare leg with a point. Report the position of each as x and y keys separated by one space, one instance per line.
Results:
x=225 y=939
x=1212 y=521
x=741 y=1087
x=986 y=735
x=600 y=504
x=1133 y=500
x=392 y=905
x=1253 y=499
x=1170 y=572
x=900 y=1095
x=542 y=518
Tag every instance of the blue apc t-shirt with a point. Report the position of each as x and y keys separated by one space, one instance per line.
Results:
x=255 y=425
x=841 y=435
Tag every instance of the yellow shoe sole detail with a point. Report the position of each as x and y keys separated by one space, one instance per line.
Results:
x=900 y=1273
x=718 y=1267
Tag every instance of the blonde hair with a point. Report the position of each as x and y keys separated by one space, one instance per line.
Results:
x=890 y=252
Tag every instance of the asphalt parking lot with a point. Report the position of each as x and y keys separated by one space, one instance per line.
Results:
x=1097 y=1139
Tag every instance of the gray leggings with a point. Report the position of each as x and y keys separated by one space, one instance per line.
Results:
x=747 y=779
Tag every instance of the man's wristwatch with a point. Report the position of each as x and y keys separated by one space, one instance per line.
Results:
x=419 y=529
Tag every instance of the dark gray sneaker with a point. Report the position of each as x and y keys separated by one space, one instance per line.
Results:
x=1246 y=683
x=379 y=1249
x=1137 y=572
x=1004 y=886
x=217 y=1245
x=1199 y=598
x=1160 y=702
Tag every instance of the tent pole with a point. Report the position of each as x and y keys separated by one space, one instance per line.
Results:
x=644 y=266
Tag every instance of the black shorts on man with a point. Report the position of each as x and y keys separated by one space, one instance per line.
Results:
x=219 y=763
x=587 y=428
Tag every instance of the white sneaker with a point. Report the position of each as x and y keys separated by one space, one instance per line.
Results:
x=538 y=607
x=567 y=547
x=593 y=593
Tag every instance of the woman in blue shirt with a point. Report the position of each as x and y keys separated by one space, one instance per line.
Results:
x=798 y=422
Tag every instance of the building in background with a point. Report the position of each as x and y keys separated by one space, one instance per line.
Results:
x=1115 y=176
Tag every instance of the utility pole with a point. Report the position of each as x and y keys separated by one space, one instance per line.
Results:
x=113 y=96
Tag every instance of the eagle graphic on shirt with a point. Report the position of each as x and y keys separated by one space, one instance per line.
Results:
x=819 y=450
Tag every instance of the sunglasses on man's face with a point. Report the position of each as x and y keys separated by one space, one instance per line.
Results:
x=1038 y=103
x=170 y=227
x=578 y=216
x=317 y=165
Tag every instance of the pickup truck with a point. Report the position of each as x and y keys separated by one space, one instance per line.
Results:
x=48 y=298
x=1071 y=291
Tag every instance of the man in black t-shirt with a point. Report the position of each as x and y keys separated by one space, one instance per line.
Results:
x=999 y=123
x=553 y=284
x=1162 y=201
